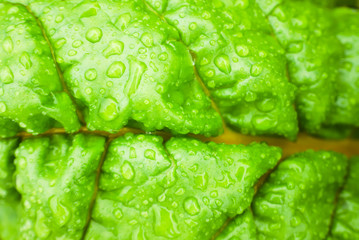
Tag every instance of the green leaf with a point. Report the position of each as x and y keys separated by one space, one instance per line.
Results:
x=242 y=227
x=9 y=198
x=184 y=189
x=240 y=63
x=31 y=94
x=126 y=67
x=56 y=179
x=297 y=200
x=346 y=220
x=313 y=52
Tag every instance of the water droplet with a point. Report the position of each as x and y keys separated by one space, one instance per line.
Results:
x=243 y=4
x=108 y=109
x=2 y=107
x=59 y=18
x=165 y=223
x=94 y=35
x=223 y=64
x=123 y=21
x=204 y=61
x=8 y=45
x=256 y=70
x=295 y=47
x=266 y=105
x=72 y=53
x=6 y=75
x=117 y=213
x=263 y=123
x=13 y=10
x=295 y=221
x=116 y=70
x=137 y=69
x=127 y=171
x=133 y=152
x=214 y=194
x=163 y=56
x=250 y=96
x=242 y=50
x=88 y=90
x=210 y=73
x=77 y=43
x=206 y=15
x=41 y=229
x=160 y=88
x=89 y=13
x=115 y=47
x=147 y=39
x=91 y=74
x=193 y=26
x=60 y=212
x=150 y=154
x=59 y=43
x=191 y=206
x=201 y=181
x=180 y=191
x=25 y=60
x=290 y=185
x=22 y=163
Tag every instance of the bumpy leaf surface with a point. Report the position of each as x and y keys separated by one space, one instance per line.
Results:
x=346 y=108
x=56 y=179
x=9 y=198
x=346 y=219
x=297 y=200
x=31 y=94
x=239 y=62
x=185 y=189
x=124 y=66
x=313 y=53
x=240 y=228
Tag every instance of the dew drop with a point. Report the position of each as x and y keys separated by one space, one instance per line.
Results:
x=256 y=70
x=191 y=206
x=41 y=229
x=8 y=45
x=163 y=56
x=115 y=47
x=165 y=223
x=116 y=70
x=127 y=171
x=60 y=212
x=242 y=50
x=91 y=74
x=59 y=18
x=72 y=53
x=88 y=90
x=108 y=109
x=6 y=75
x=223 y=64
x=77 y=43
x=94 y=35
x=2 y=107
x=117 y=213
x=147 y=39
x=192 y=26
x=150 y=154
x=25 y=60
x=263 y=123
x=22 y=163
x=59 y=43
x=266 y=105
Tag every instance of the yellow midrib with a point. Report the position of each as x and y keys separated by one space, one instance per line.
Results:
x=349 y=147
